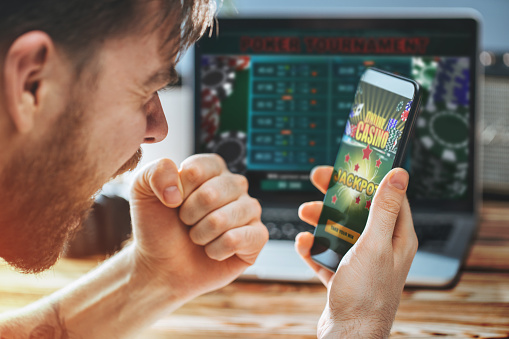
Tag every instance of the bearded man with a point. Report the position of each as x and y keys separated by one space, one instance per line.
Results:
x=78 y=96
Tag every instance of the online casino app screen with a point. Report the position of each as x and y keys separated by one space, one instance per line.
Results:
x=367 y=153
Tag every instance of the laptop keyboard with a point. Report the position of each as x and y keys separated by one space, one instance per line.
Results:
x=433 y=236
x=284 y=223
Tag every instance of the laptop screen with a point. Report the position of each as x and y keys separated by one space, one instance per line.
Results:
x=272 y=97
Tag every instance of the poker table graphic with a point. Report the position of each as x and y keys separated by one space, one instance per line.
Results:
x=437 y=157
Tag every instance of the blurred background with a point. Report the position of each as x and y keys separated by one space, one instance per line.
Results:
x=494 y=45
x=493 y=126
x=494 y=12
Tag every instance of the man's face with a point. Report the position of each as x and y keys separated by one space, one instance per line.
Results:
x=97 y=136
x=125 y=111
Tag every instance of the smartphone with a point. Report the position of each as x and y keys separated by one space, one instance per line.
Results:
x=379 y=125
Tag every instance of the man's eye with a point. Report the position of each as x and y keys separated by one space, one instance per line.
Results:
x=167 y=87
x=176 y=81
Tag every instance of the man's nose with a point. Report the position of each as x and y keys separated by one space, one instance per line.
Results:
x=157 y=127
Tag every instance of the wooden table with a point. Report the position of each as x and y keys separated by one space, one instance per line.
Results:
x=478 y=307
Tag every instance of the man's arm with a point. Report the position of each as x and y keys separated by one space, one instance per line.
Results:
x=112 y=301
x=195 y=230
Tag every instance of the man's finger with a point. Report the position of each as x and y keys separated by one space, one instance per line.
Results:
x=310 y=212
x=386 y=205
x=303 y=244
x=199 y=168
x=213 y=194
x=245 y=242
x=320 y=177
x=236 y=214
x=160 y=179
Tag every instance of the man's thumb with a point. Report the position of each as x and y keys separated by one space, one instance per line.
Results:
x=159 y=179
x=386 y=204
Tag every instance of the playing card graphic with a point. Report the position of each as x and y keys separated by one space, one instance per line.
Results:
x=356 y=110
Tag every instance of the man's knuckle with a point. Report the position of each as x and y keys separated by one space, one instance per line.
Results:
x=390 y=205
x=231 y=240
x=207 y=196
x=217 y=220
x=217 y=158
x=193 y=174
x=256 y=206
x=212 y=252
x=163 y=164
x=264 y=233
x=242 y=182
x=185 y=215
x=196 y=236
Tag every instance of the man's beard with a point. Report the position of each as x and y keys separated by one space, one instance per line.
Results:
x=47 y=192
x=130 y=164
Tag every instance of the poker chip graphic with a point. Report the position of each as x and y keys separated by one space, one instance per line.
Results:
x=437 y=178
x=238 y=63
x=392 y=124
x=440 y=151
x=218 y=75
x=231 y=146
x=423 y=71
x=241 y=62
x=437 y=135
x=392 y=141
x=400 y=106
x=218 y=79
x=210 y=115
x=451 y=86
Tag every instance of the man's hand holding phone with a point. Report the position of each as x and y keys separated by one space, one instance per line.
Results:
x=364 y=293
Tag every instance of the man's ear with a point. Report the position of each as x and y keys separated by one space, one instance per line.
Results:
x=25 y=67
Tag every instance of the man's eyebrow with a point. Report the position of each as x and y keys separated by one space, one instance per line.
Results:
x=167 y=75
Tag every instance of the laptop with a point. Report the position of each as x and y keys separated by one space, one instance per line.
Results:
x=272 y=97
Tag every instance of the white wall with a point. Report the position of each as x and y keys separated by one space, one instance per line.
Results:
x=178 y=145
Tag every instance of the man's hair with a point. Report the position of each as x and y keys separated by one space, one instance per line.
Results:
x=78 y=27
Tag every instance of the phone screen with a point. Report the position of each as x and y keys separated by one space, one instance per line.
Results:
x=368 y=151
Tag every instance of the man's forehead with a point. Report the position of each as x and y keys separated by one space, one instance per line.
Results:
x=154 y=51
x=167 y=53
